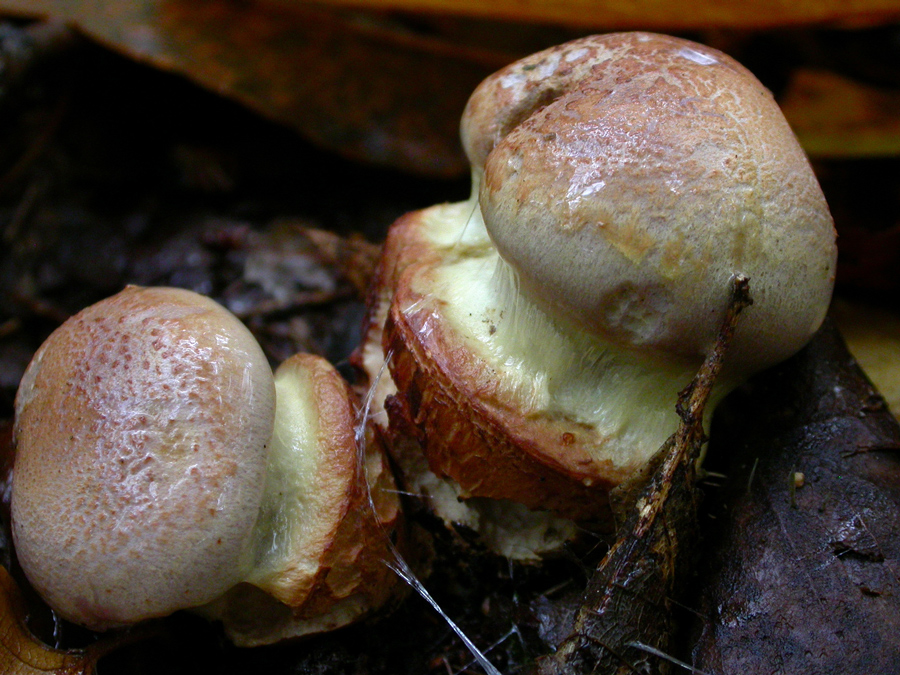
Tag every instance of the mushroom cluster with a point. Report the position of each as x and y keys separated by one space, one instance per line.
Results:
x=537 y=335
x=160 y=466
x=524 y=348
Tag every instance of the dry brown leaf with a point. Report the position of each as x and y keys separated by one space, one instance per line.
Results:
x=372 y=90
x=352 y=257
x=836 y=117
x=652 y=14
x=799 y=574
x=21 y=653
x=366 y=92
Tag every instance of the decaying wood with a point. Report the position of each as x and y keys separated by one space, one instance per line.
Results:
x=626 y=619
x=804 y=572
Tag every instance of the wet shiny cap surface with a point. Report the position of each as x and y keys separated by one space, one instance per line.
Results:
x=628 y=177
x=142 y=427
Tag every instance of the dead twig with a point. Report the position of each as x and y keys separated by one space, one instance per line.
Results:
x=625 y=620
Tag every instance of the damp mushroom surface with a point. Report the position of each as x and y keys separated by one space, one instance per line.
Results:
x=537 y=335
x=160 y=466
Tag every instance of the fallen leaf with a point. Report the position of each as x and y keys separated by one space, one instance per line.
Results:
x=801 y=571
x=21 y=653
x=346 y=84
x=653 y=14
x=352 y=257
x=836 y=117
x=873 y=337
x=380 y=91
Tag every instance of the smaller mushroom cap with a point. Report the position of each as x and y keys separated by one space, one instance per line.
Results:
x=142 y=427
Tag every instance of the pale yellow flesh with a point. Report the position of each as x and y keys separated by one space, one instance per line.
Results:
x=559 y=373
x=291 y=501
x=628 y=403
x=299 y=514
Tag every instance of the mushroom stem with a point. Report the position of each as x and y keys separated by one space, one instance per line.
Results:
x=608 y=405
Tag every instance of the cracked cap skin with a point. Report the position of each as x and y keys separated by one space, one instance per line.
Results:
x=142 y=429
x=629 y=177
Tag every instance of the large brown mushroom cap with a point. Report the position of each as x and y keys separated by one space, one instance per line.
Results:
x=538 y=334
x=142 y=427
x=628 y=177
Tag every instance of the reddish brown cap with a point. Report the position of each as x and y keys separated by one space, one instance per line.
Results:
x=628 y=177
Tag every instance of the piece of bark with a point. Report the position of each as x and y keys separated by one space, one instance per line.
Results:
x=803 y=575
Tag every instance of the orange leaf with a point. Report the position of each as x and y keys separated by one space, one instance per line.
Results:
x=648 y=14
x=836 y=117
x=21 y=653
